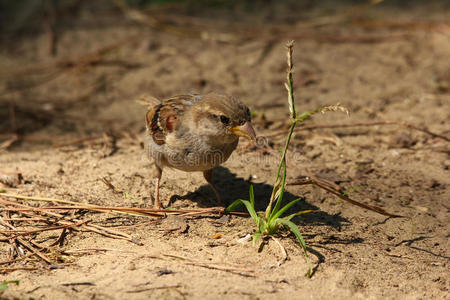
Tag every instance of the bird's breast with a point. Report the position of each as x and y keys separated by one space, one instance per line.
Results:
x=191 y=154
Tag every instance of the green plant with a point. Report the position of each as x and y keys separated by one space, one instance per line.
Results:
x=271 y=224
x=271 y=221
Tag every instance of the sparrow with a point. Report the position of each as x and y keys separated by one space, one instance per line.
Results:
x=195 y=133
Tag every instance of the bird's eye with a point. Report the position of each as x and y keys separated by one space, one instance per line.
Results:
x=224 y=120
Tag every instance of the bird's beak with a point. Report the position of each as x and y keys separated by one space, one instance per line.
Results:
x=245 y=130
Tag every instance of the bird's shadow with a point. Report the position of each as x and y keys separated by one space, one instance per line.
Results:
x=232 y=187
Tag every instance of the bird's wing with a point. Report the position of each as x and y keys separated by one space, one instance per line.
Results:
x=165 y=117
x=148 y=101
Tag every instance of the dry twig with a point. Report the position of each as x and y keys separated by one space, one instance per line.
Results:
x=324 y=184
x=208 y=265
x=128 y=210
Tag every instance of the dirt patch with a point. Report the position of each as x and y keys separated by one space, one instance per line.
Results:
x=81 y=124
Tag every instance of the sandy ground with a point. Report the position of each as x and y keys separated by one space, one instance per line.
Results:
x=401 y=74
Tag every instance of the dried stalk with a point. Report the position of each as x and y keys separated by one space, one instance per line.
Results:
x=128 y=210
x=60 y=219
x=280 y=181
x=208 y=265
x=323 y=184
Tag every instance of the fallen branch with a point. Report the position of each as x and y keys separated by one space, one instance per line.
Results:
x=324 y=184
x=18 y=232
x=25 y=243
x=92 y=250
x=34 y=250
x=60 y=219
x=128 y=210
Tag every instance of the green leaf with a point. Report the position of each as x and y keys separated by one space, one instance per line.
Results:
x=2 y=191
x=4 y=284
x=251 y=210
x=233 y=206
x=256 y=237
x=271 y=227
x=296 y=231
x=302 y=212
x=262 y=224
x=286 y=207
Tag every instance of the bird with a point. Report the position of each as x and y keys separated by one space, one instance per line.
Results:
x=194 y=132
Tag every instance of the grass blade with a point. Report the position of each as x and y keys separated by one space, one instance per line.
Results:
x=256 y=237
x=296 y=231
x=251 y=210
x=302 y=212
x=262 y=225
x=282 y=210
x=233 y=206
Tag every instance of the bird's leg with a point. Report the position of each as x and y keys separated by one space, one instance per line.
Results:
x=208 y=176
x=157 y=204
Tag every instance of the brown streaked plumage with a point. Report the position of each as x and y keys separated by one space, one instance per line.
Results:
x=195 y=133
